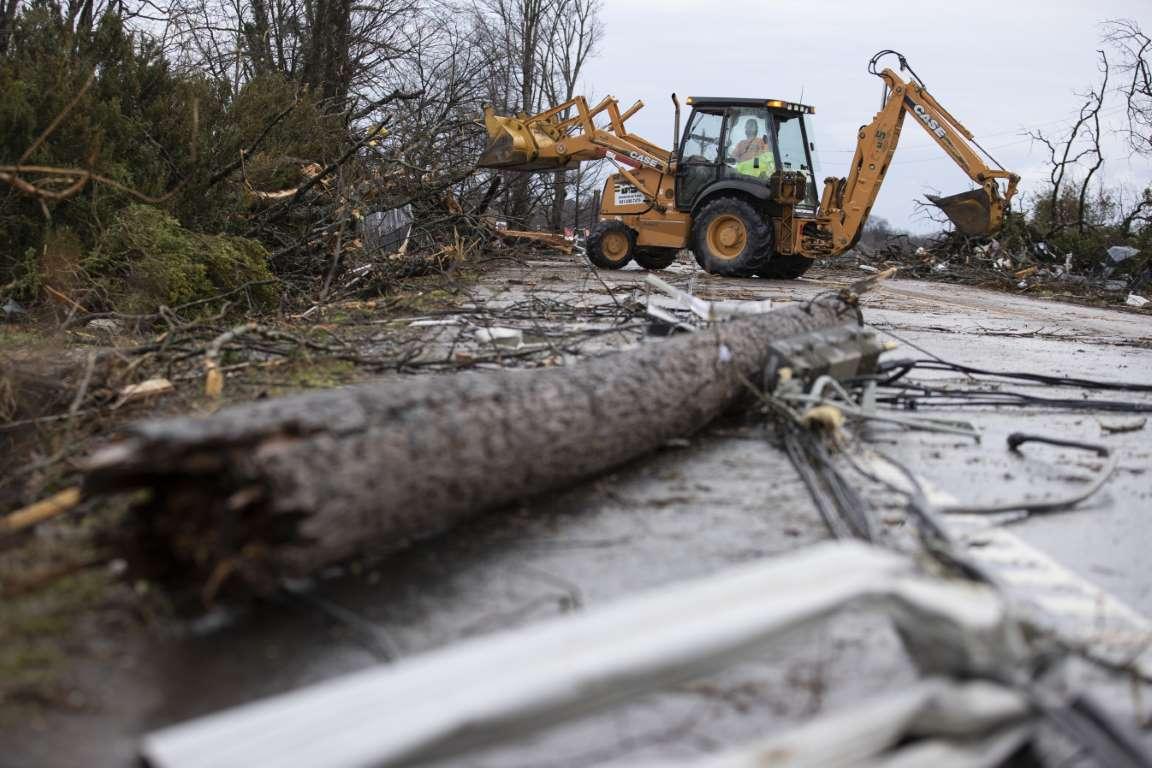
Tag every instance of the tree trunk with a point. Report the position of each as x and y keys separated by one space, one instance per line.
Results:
x=530 y=13
x=556 y=218
x=8 y=10
x=288 y=486
x=258 y=39
x=326 y=64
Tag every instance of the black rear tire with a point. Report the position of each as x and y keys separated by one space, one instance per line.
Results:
x=611 y=244
x=786 y=266
x=747 y=253
x=651 y=257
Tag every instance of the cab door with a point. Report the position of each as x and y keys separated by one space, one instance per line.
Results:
x=795 y=151
x=700 y=156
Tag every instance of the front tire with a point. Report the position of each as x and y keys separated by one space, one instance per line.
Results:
x=731 y=237
x=611 y=245
x=652 y=257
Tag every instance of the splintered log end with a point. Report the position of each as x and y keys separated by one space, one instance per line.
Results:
x=206 y=527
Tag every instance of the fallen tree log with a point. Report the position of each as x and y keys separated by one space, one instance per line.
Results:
x=287 y=486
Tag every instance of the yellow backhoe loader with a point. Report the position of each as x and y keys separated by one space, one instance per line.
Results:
x=740 y=188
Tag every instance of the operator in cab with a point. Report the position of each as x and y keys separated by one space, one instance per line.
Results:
x=752 y=156
x=752 y=145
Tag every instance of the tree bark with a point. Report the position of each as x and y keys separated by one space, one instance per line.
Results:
x=258 y=38
x=285 y=487
x=530 y=17
x=326 y=63
x=8 y=10
x=556 y=218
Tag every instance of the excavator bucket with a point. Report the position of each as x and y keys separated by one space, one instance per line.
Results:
x=514 y=145
x=973 y=212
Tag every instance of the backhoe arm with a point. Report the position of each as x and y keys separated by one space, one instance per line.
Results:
x=846 y=202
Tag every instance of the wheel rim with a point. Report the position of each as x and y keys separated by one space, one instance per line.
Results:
x=615 y=245
x=727 y=236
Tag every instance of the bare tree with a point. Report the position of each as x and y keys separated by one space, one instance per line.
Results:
x=435 y=141
x=1079 y=150
x=1135 y=69
x=573 y=37
x=335 y=46
x=518 y=32
x=1139 y=215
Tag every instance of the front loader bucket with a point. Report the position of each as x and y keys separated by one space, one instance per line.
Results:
x=973 y=212
x=514 y=146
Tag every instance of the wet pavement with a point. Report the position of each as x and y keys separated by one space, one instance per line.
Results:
x=720 y=498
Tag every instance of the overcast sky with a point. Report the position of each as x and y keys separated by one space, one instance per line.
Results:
x=1000 y=67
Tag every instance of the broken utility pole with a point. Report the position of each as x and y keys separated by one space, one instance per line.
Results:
x=287 y=486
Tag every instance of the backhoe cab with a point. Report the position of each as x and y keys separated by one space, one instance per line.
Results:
x=740 y=187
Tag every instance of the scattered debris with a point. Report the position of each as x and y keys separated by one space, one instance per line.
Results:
x=388 y=231
x=512 y=338
x=12 y=309
x=1135 y=300
x=1118 y=426
x=433 y=322
x=828 y=418
x=1121 y=253
x=559 y=242
x=34 y=514
x=1017 y=266
x=145 y=389
x=213 y=376
x=682 y=309
x=105 y=325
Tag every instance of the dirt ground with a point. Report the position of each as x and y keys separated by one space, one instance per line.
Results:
x=102 y=659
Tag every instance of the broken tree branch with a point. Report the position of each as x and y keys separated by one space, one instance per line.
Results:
x=46 y=509
x=56 y=121
x=227 y=170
